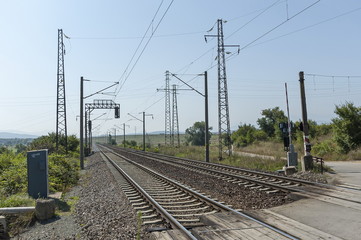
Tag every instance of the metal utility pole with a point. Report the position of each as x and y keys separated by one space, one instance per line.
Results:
x=143 y=121
x=291 y=154
x=205 y=95
x=61 y=129
x=206 y=114
x=168 y=120
x=307 y=158
x=175 y=123
x=144 y=131
x=89 y=110
x=81 y=123
x=167 y=117
x=224 y=131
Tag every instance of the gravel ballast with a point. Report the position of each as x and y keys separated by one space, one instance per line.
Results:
x=238 y=196
x=102 y=211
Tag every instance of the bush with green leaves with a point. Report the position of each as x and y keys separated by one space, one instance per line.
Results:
x=13 y=173
x=196 y=134
x=63 y=172
x=246 y=135
x=347 y=127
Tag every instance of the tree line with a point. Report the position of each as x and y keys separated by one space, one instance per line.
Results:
x=345 y=130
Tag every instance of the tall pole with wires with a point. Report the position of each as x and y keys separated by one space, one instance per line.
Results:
x=175 y=124
x=224 y=132
x=61 y=129
x=168 y=118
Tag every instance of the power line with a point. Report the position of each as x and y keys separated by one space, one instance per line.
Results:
x=140 y=43
x=138 y=37
x=279 y=25
x=258 y=15
x=131 y=70
x=331 y=76
x=309 y=26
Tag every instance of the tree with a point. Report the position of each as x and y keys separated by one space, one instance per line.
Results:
x=195 y=135
x=247 y=134
x=49 y=142
x=347 y=127
x=270 y=120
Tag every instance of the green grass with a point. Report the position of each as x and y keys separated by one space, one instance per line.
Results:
x=16 y=200
x=198 y=153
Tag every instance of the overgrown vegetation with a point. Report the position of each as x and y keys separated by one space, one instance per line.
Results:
x=63 y=169
x=339 y=140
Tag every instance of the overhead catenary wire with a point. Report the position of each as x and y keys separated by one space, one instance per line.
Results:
x=309 y=26
x=145 y=46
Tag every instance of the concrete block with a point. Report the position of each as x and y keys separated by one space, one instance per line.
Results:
x=3 y=228
x=289 y=170
x=44 y=209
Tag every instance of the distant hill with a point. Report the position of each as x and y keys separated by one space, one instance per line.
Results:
x=16 y=135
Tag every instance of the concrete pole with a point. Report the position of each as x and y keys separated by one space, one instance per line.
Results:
x=81 y=125
x=143 y=131
x=206 y=115
x=124 y=134
x=86 y=134
x=307 y=158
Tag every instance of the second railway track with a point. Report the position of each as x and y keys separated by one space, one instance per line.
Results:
x=166 y=203
x=261 y=181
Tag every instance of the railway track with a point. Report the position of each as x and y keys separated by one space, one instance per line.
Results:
x=165 y=203
x=261 y=181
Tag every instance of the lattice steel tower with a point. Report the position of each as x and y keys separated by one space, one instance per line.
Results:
x=175 y=124
x=61 y=130
x=168 y=117
x=223 y=108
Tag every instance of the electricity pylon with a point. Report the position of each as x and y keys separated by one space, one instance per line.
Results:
x=175 y=124
x=168 y=116
x=61 y=129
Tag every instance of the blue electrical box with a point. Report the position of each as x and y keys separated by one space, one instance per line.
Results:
x=38 y=183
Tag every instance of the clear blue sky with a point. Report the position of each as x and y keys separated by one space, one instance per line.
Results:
x=105 y=34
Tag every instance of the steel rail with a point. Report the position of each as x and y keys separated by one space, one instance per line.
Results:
x=205 y=198
x=278 y=187
x=282 y=188
x=174 y=223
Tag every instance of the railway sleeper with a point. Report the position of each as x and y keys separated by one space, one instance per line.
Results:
x=150 y=216
x=179 y=202
x=136 y=200
x=137 y=204
x=250 y=185
x=256 y=187
x=193 y=214
x=152 y=188
x=147 y=211
x=168 y=189
x=176 y=199
x=142 y=208
x=243 y=183
x=185 y=206
x=156 y=221
x=193 y=209
x=169 y=196
x=131 y=194
x=273 y=191
x=194 y=220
